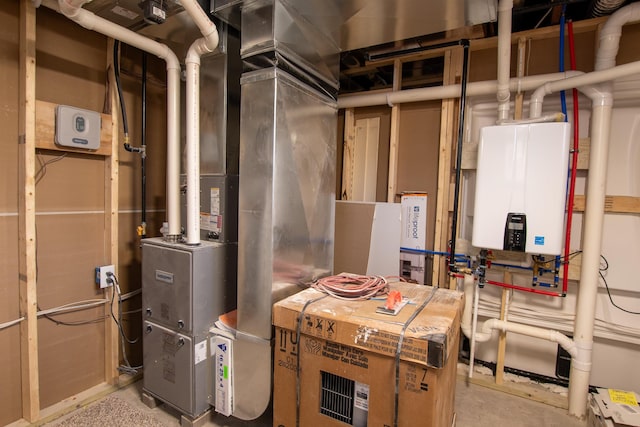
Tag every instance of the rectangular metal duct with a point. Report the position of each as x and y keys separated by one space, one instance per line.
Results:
x=355 y=24
x=275 y=25
x=220 y=108
x=287 y=192
x=286 y=214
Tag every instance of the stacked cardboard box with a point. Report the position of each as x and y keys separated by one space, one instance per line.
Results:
x=413 y=239
x=338 y=359
x=613 y=408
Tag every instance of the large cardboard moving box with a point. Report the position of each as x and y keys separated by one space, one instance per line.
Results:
x=348 y=366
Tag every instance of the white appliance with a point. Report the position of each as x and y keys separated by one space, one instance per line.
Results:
x=521 y=187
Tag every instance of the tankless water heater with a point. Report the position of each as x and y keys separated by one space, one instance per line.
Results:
x=521 y=187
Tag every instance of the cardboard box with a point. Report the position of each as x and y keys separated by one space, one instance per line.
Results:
x=223 y=374
x=412 y=266
x=346 y=353
x=613 y=408
x=414 y=221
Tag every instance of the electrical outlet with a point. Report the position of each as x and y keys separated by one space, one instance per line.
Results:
x=102 y=278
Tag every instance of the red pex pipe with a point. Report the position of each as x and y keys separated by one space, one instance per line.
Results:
x=522 y=288
x=574 y=165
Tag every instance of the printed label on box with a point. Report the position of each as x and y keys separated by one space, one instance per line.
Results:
x=361 y=393
x=223 y=376
x=623 y=397
x=414 y=221
x=319 y=327
x=200 y=352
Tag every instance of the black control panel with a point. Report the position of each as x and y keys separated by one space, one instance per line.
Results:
x=515 y=232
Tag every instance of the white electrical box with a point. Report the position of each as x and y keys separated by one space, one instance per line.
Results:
x=521 y=187
x=77 y=128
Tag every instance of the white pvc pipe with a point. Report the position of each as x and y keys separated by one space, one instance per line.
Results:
x=611 y=33
x=487 y=87
x=504 y=58
x=474 y=328
x=469 y=316
x=201 y=46
x=589 y=271
x=205 y=25
x=469 y=286
x=73 y=10
x=531 y=331
x=587 y=83
x=594 y=209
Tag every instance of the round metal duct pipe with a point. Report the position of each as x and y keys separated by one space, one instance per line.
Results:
x=604 y=7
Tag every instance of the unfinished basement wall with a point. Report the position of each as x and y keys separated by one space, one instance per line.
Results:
x=70 y=202
x=614 y=348
x=613 y=351
x=71 y=70
x=130 y=197
x=418 y=153
x=10 y=402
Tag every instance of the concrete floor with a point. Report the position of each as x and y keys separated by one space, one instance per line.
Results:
x=476 y=406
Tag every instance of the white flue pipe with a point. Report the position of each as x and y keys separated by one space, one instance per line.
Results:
x=591 y=250
x=488 y=87
x=597 y=85
x=73 y=10
x=503 y=95
x=201 y=46
x=469 y=314
x=610 y=35
x=589 y=84
x=594 y=210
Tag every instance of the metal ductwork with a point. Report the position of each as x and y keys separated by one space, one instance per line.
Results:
x=355 y=24
x=288 y=127
x=604 y=7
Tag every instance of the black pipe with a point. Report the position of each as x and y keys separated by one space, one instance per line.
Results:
x=116 y=72
x=417 y=49
x=456 y=196
x=143 y=143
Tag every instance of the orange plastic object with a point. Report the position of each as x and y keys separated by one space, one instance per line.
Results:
x=230 y=319
x=393 y=298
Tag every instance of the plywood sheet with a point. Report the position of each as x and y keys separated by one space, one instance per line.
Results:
x=9 y=39
x=418 y=154
x=10 y=391
x=353 y=236
x=543 y=58
x=71 y=69
x=74 y=183
x=8 y=269
x=129 y=165
x=73 y=58
x=71 y=358
x=70 y=246
x=628 y=44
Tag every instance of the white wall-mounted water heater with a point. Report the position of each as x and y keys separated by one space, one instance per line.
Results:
x=521 y=187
